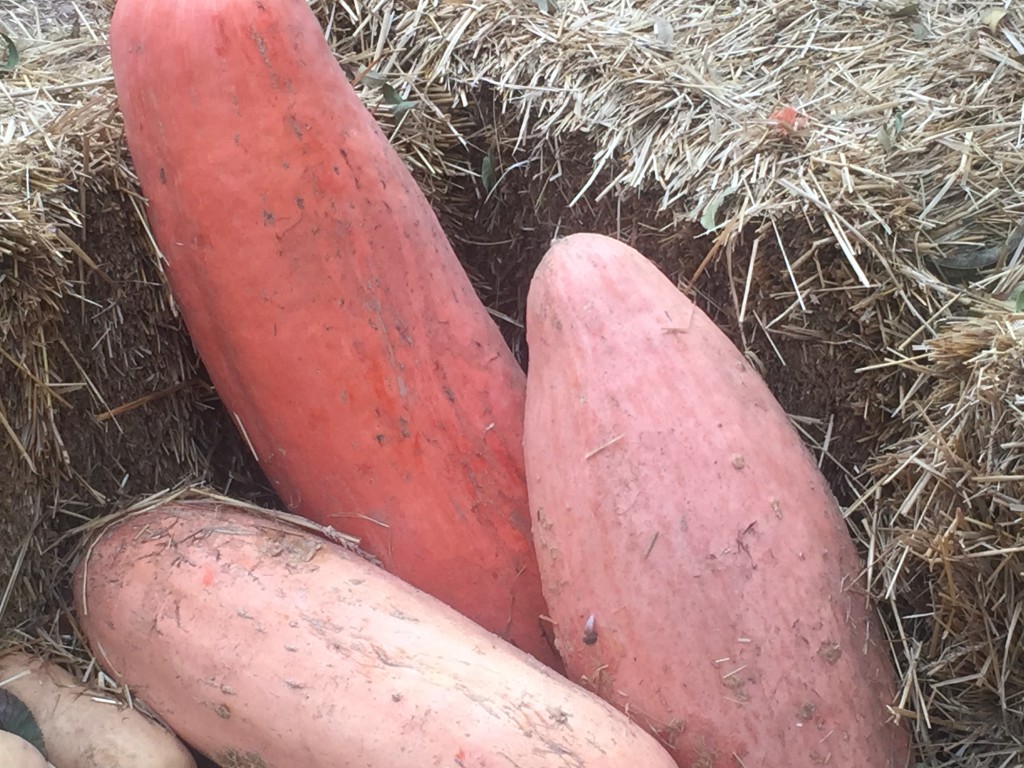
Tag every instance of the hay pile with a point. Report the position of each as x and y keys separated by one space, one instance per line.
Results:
x=836 y=184
x=947 y=510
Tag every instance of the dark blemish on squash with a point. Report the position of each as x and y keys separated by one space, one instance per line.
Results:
x=294 y=125
x=380 y=439
x=403 y=332
x=403 y=426
x=386 y=659
x=163 y=176
x=650 y=546
x=300 y=203
x=558 y=716
x=337 y=170
x=353 y=176
x=738 y=462
x=219 y=47
x=737 y=685
x=806 y=711
x=222 y=711
x=400 y=614
x=396 y=697
x=262 y=46
x=590 y=631
x=285 y=165
x=683 y=525
x=268 y=219
x=520 y=522
x=449 y=394
x=830 y=652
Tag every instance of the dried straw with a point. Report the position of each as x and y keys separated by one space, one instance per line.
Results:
x=947 y=516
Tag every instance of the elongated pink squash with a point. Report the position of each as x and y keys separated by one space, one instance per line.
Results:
x=321 y=293
x=698 y=570
x=265 y=645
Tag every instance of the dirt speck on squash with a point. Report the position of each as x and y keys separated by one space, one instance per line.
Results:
x=830 y=652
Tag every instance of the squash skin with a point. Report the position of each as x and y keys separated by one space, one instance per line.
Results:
x=15 y=752
x=80 y=728
x=263 y=644
x=675 y=504
x=326 y=303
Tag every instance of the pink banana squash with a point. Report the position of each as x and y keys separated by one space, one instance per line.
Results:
x=700 y=575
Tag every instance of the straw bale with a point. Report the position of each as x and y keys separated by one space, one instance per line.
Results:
x=837 y=184
x=948 y=519
x=908 y=140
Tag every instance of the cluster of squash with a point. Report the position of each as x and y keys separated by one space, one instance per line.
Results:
x=626 y=557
